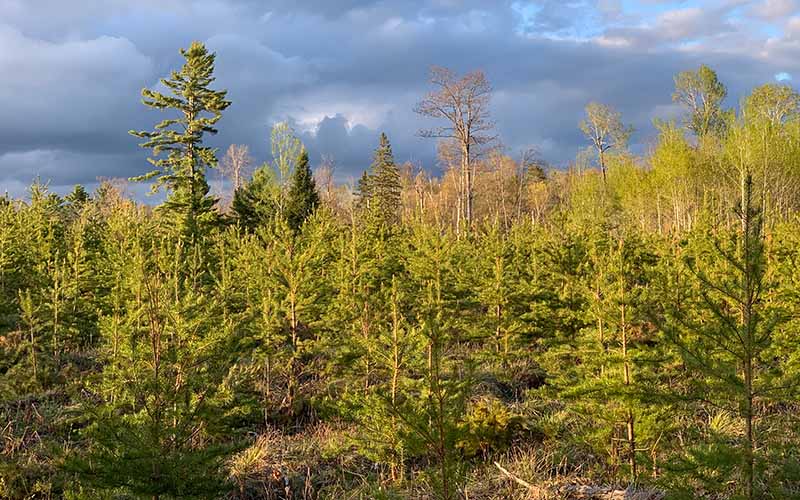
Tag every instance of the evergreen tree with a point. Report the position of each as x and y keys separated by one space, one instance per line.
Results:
x=434 y=408
x=78 y=196
x=156 y=431
x=291 y=291
x=495 y=291
x=182 y=171
x=364 y=191
x=303 y=198
x=638 y=327
x=724 y=328
x=384 y=183
x=256 y=202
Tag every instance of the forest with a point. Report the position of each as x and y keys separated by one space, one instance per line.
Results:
x=627 y=327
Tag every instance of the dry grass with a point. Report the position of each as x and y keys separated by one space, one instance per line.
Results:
x=542 y=474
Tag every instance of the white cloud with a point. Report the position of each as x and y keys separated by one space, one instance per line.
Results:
x=774 y=10
x=686 y=23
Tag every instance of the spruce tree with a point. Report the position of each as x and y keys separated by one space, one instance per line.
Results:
x=78 y=196
x=182 y=171
x=256 y=203
x=433 y=410
x=496 y=292
x=289 y=274
x=384 y=183
x=157 y=429
x=303 y=198
x=364 y=191
x=724 y=327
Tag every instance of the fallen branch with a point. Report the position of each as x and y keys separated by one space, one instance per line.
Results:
x=581 y=492
x=533 y=489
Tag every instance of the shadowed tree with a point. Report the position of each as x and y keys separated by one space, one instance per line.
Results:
x=256 y=202
x=302 y=199
x=384 y=183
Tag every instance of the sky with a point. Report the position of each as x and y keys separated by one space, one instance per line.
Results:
x=341 y=72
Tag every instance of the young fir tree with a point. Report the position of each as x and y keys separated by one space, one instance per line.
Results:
x=360 y=339
x=356 y=308
x=292 y=291
x=84 y=288
x=597 y=366
x=182 y=171
x=78 y=197
x=724 y=329
x=497 y=292
x=396 y=348
x=157 y=427
x=783 y=361
x=9 y=259
x=622 y=305
x=434 y=407
x=302 y=198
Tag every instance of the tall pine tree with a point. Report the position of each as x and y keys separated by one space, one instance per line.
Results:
x=182 y=171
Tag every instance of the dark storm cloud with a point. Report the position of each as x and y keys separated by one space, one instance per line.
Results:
x=342 y=72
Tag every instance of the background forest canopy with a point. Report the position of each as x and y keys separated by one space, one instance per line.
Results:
x=500 y=331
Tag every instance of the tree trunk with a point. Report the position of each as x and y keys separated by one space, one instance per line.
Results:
x=602 y=157
x=293 y=361
x=627 y=382
x=750 y=447
x=468 y=195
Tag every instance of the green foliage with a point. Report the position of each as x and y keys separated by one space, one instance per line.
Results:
x=303 y=198
x=489 y=426
x=702 y=93
x=632 y=324
x=384 y=183
x=725 y=338
x=156 y=429
x=256 y=203
x=182 y=171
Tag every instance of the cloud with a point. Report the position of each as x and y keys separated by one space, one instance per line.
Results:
x=66 y=168
x=687 y=23
x=67 y=95
x=342 y=72
x=774 y=10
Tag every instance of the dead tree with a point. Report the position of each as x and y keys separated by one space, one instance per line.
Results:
x=464 y=104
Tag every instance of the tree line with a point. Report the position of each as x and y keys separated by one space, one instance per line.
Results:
x=630 y=321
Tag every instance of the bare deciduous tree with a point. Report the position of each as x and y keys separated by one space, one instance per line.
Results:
x=323 y=176
x=236 y=164
x=603 y=127
x=464 y=104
